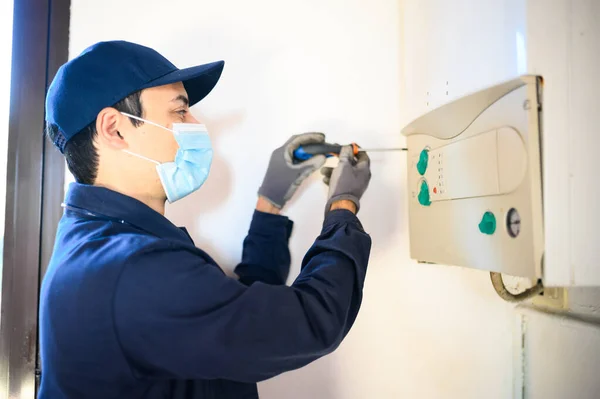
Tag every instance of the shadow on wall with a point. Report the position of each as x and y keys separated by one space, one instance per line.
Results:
x=244 y=75
x=384 y=199
x=318 y=380
x=382 y=205
x=218 y=186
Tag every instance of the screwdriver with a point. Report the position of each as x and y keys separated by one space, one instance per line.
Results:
x=305 y=152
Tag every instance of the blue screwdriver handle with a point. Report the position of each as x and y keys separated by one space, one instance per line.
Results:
x=306 y=152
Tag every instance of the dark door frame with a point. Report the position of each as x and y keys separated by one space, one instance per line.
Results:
x=34 y=191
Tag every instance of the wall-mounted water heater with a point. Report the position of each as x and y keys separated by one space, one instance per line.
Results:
x=475 y=181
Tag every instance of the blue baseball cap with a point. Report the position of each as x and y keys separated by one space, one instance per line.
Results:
x=107 y=72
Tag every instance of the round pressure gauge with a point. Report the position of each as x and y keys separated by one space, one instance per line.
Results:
x=513 y=223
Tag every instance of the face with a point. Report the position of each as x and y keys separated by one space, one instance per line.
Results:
x=163 y=105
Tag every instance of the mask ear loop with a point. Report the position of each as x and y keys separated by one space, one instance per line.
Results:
x=151 y=123
x=146 y=121
x=141 y=156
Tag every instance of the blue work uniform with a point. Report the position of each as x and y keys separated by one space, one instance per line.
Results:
x=131 y=308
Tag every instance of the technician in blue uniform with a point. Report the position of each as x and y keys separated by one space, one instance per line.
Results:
x=130 y=308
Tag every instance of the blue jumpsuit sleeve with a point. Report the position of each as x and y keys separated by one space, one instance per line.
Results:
x=177 y=316
x=266 y=254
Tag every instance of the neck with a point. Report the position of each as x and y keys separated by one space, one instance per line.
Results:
x=156 y=202
x=136 y=179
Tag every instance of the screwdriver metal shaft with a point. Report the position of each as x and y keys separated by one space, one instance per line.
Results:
x=382 y=149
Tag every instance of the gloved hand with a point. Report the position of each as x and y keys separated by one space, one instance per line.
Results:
x=284 y=175
x=350 y=179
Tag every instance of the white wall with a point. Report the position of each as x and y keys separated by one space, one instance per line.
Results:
x=560 y=357
x=563 y=40
x=332 y=65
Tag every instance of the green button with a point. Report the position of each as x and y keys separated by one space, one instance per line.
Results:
x=423 y=161
x=424 y=194
x=488 y=223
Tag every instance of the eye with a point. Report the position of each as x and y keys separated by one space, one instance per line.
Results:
x=182 y=112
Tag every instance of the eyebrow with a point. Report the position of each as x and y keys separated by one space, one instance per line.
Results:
x=181 y=98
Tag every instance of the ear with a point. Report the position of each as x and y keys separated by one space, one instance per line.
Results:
x=107 y=125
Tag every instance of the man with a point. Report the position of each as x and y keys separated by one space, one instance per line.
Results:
x=130 y=308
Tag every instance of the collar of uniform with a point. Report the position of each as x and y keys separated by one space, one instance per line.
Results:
x=103 y=202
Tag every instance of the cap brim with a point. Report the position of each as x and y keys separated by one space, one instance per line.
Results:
x=198 y=81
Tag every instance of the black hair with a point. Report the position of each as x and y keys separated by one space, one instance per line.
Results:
x=80 y=152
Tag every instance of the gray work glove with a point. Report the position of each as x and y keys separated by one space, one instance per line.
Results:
x=350 y=179
x=284 y=174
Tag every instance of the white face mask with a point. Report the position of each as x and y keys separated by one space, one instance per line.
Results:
x=191 y=166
